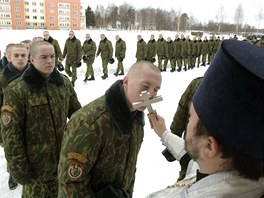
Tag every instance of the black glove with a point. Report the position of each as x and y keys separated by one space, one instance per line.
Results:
x=153 y=60
x=120 y=59
x=85 y=59
x=60 y=66
x=111 y=60
x=111 y=192
x=77 y=64
x=168 y=155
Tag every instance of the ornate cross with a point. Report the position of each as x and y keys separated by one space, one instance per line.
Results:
x=147 y=101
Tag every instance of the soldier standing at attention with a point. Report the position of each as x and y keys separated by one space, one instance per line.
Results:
x=120 y=53
x=17 y=65
x=7 y=56
x=34 y=114
x=151 y=45
x=54 y=42
x=171 y=55
x=162 y=51
x=73 y=53
x=142 y=49
x=102 y=139
x=106 y=50
x=89 y=50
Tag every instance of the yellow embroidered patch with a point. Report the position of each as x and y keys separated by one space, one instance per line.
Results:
x=77 y=156
x=74 y=171
x=7 y=108
x=6 y=117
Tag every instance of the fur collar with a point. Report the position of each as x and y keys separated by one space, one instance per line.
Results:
x=36 y=81
x=116 y=103
x=49 y=40
x=10 y=73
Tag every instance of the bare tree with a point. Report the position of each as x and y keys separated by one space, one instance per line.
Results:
x=220 y=17
x=259 y=18
x=239 y=16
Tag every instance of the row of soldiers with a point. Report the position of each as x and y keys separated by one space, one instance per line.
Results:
x=182 y=52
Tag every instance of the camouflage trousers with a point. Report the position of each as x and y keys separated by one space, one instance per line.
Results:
x=71 y=71
x=89 y=70
x=48 y=189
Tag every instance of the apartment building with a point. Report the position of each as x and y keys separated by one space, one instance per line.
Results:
x=42 y=14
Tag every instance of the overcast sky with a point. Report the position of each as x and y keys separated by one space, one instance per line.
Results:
x=202 y=10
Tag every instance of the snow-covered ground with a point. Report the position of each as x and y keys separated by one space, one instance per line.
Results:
x=153 y=171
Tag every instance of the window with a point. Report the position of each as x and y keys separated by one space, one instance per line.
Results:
x=26 y=10
x=35 y=24
x=41 y=11
x=27 y=17
x=26 y=3
x=17 y=9
x=18 y=23
x=34 y=3
x=75 y=6
x=42 y=17
x=18 y=16
x=34 y=10
x=51 y=4
x=35 y=17
x=75 y=18
x=41 y=4
x=52 y=25
x=16 y=1
x=52 y=18
x=75 y=13
x=52 y=11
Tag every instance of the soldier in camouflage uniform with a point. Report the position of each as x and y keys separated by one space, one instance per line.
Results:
x=73 y=51
x=89 y=50
x=184 y=51
x=100 y=148
x=6 y=58
x=34 y=114
x=177 y=51
x=152 y=51
x=181 y=117
x=193 y=52
x=211 y=48
x=205 y=50
x=120 y=54
x=171 y=55
x=54 y=42
x=260 y=43
x=17 y=65
x=199 y=50
x=162 y=52
x=142 y=49
x=106 y=50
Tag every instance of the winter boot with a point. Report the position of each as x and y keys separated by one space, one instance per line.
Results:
x=116 y=73
x=86 y=78
x=104 y=76
x=91 y=78
x=11 y=183
x=172 y=70
x=121 y=73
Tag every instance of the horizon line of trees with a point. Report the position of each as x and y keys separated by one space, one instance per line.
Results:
x=126 y=17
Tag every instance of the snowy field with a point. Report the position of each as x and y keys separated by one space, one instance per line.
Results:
x=153 y=171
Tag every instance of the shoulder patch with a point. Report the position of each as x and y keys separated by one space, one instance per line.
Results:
x=6 y=117
x=77 y=156
x=7 y=108
x=75 y=171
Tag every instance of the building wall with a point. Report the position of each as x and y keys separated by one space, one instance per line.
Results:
x=42 y=14
x=17 y=14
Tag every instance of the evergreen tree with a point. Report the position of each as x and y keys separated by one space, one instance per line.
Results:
x=90 y=17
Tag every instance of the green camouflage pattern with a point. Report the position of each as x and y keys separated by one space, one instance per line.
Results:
x=96 y=153
x=178 y=52
x=106 y=50
x=181 y=117
x=151 y=51
x=171 y=55
x=89 y=50
x=33 y=123
x=73 y=53
x=120 y=54
x=142 y=50
x=58 y=54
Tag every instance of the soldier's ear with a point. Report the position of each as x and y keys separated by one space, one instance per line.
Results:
x=125 y=81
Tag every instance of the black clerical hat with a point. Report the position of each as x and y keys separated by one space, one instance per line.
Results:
x=230 y=99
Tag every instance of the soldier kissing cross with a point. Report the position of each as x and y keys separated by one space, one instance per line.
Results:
x=147 y=101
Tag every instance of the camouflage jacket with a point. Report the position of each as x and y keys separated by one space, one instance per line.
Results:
x=105 y=49
x=181 y=117
x=205 y=47
x=162 y=49
x=142 y=50
x=73 y=51
x=33 y=116
x=170 y=47
x=120 y=49
x=3 y=63
x=57 y=49
x=152 y=51
x=177 y=47
x=89 y=49
x=6 y=76
x=100 y=147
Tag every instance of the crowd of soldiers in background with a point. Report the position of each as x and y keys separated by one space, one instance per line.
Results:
x=181 y=52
